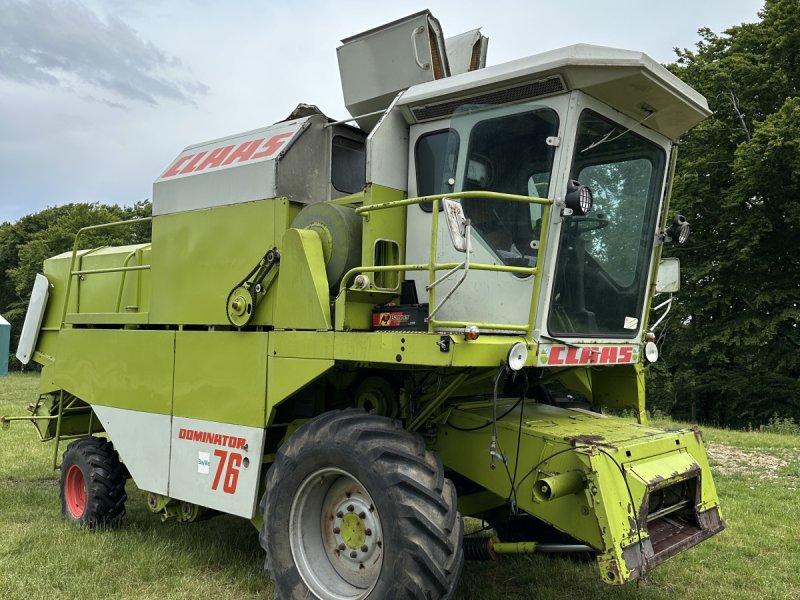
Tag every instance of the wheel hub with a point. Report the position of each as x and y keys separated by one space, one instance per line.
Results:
x=353 y=531
x=75 y=492
x=336 y=536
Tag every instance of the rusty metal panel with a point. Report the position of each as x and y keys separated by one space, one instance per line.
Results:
x=467 y=51
x=377 y=64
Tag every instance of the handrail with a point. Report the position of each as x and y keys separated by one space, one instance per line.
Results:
x=433 y=267
x=73 y=272
x=456 y=195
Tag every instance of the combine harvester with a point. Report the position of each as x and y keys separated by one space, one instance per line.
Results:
x=355 y=336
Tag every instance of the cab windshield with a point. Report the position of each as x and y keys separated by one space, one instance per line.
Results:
x=604 y=257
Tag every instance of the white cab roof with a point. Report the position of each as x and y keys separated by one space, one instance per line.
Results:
x=629 y=81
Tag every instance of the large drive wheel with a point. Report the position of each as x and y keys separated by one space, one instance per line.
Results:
x=355 y=507
x=92 y=483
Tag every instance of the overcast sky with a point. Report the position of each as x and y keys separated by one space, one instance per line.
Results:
x=97 y=97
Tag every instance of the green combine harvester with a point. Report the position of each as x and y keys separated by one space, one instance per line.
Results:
x=355 y=336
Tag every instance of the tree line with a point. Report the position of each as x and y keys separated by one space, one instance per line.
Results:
x=730 y=349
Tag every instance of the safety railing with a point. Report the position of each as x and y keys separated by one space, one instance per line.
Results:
x=433 y=267
x=124 y=269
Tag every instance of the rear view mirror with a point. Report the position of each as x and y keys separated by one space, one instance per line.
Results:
x=456 y=223
x=668 y=278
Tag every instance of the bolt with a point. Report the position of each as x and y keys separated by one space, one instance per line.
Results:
x=361 y=566
x=362 y=515
x=353 y=554
x=350 y=508
x=368 y=532
x=342 y=546
x=371 y=508
x=340 y=514
x=348 y=494
x=364 y=548
x=336 y=530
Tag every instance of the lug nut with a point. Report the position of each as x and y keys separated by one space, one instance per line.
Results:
x=336 y=530
x=342 y=546
x=340 y=514
x=368 y=532
x=362 y=515
x=351 y=508
x=353 y=554
x=364 y=548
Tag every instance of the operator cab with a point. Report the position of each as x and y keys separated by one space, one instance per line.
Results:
x=583 y=115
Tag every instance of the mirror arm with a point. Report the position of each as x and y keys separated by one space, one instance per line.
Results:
x=668 y=304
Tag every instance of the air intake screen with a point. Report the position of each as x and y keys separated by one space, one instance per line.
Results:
x=542 y=87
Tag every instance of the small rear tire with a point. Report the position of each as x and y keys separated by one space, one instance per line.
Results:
x=92 y=483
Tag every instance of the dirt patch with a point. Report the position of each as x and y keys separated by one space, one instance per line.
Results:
x=759 y=463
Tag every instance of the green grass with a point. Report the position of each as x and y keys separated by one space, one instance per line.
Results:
x=758 y=556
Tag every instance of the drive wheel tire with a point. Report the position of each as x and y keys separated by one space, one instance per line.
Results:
x=356 y=508
x=92 y=483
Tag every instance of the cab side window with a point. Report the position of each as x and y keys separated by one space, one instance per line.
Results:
x=435 y=159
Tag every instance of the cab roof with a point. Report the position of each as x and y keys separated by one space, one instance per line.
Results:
x=628 y=81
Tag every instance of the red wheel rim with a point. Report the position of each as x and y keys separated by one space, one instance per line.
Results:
x=75 y=492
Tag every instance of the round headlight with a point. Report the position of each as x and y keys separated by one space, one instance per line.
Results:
x=517 y=356
x=679 y=230
x=684 y=234
x=578 y=199
x=585 y=199
x=651 y=352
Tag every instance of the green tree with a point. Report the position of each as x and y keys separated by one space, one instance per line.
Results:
x=732 y=347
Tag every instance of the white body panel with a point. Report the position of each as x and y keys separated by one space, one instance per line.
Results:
x=216 y=465
x=237 y=168
x=377 y=64
x=387 y=159
x=142 y=440
x=33 y=319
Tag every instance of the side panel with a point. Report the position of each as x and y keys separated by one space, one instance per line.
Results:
x=221 y=376
x=33 y=320
x=199 y=256
x=216 y=465
x=117 y=368
x=142 y=440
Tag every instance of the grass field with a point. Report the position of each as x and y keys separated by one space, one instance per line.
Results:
x=758 y=556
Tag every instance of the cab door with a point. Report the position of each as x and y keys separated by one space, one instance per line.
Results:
x=509 y=149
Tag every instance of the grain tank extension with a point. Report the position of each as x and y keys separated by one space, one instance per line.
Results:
x=356 y=333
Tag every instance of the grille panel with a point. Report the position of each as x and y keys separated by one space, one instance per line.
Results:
x=534 y=89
